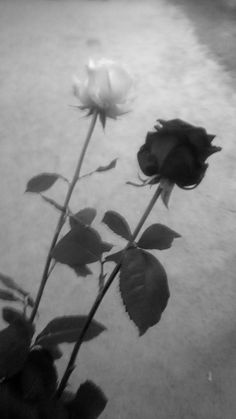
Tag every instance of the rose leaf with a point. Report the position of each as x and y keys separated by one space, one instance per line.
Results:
x=82 y=245
x=109 y=166
x=88 y=403
x=11 y=284
x=157 y=236
x=14 y=317
x=106 y=247
x=39 y=376
x=8 y=296
x=118 y=224
x=14 y=347
x=13 y=407
x=42 y=182
x=51 y=408
x=54 y=350
x=67 y=329
x=144 y=288
x=84 y=216
x=82 y=270
x=115 y=257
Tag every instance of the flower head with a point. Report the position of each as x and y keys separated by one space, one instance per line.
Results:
x=176 y=151
x=105 y=88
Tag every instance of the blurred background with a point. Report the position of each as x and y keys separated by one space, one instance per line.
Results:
x=183 y=59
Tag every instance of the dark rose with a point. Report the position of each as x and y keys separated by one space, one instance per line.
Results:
x=176 y=151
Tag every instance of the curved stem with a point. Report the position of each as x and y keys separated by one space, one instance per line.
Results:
x=71 y=364
x=62 y=217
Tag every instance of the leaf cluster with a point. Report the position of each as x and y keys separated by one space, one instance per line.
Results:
x=143 y=280
x=28 y=373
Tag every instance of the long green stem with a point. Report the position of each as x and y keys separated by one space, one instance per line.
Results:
x=62 y=217
x=71 y=364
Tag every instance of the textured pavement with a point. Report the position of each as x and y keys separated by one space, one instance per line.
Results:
x=184 y=368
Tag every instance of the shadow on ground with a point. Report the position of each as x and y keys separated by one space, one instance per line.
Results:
x=215 y=26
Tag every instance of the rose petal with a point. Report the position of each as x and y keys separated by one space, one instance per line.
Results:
x=198 y=139
x=175 y=123
x=105 y=88
x=117 y=110
x=160 y=145
x=212 y=149
x=81 y=92
x=76 y=87
x=177 y=151
x=120 y=82
x=99 y=87
x=182 y=167
x=147 y=162
x=211 y=137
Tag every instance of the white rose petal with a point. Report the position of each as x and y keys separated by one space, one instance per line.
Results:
x=81 y=92
x=106 y=88
x=120 y=82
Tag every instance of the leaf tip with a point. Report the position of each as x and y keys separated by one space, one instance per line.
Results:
x=177 y=235
x=141 y=332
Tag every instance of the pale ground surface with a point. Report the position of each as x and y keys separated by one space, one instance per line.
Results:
x=185 y=368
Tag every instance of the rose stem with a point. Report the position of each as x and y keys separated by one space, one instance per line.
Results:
x=71 y=364
x=62 y=217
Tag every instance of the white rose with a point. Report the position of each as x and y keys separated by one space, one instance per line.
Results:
x=105 y=89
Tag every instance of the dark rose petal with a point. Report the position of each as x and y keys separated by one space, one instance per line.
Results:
x=198 y=139
x=147 y=162
x=161 y=145
x=211 y=150
x=211 y=137
x=175 y=123
x=182 y=168
x=201 y=142
x=177 y=151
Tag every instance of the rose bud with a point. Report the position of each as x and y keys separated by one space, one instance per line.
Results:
x=176 y=151
x=105 y=89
